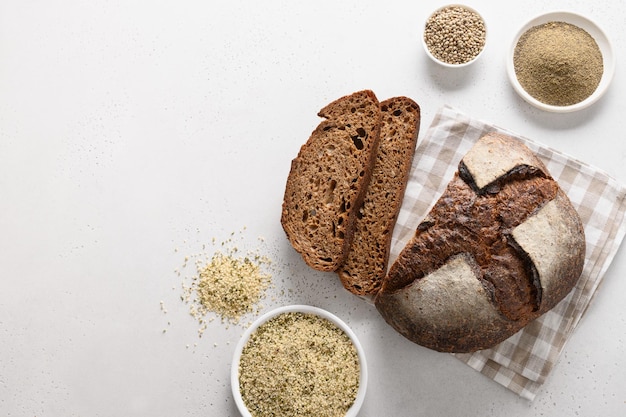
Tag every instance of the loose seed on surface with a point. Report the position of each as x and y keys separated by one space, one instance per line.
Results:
x=228 y=284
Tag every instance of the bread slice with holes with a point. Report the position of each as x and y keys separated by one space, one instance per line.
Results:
x=328 y=179
x=366 y=264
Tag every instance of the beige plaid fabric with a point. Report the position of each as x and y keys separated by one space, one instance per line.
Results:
x=524 y=361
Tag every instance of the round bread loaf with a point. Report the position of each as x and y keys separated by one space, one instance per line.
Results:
x=501 y=246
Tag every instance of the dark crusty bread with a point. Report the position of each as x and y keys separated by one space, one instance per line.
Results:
x=500 y=247
x=328 y=179
x=366 y=265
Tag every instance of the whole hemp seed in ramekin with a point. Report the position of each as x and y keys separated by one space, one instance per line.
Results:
x=455 y=34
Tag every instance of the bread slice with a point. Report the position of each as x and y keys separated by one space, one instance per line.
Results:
x=366 y=265
x=328 y=180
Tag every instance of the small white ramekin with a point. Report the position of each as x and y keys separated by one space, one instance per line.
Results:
x=234 y=375
x=447 y=64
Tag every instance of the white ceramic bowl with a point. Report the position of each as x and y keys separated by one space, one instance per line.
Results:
x=582 y=22
x=446 y=64
x=234 y=375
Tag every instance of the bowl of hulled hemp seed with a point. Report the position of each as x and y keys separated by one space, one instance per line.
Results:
x=454 y=36
x=299 y=360
x=560 y=62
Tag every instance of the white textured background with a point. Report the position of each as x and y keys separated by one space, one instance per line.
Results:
x=132 y=133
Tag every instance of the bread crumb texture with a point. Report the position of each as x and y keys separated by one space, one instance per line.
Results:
x=299 y=364
x=228 y=284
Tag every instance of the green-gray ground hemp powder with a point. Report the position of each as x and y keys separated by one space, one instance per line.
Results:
x=558 y=63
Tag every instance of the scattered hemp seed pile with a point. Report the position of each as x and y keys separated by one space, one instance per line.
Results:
x=455 y=35
x=558 y=63
x=299 y=364
x=227 y=285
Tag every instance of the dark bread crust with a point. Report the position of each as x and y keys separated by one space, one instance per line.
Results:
x=366 y=265
x=328 y=179
x=449 y=310
x=516 y=229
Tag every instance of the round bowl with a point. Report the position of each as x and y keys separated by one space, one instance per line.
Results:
x=584 y=23
x=234 y=375
x=447 y=64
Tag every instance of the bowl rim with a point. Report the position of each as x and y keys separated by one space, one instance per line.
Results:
x=446 y=64
x=584 y=22
x=363 y=374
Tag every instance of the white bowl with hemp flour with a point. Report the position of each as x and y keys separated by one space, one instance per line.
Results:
x=560 y=62
x=299 y=360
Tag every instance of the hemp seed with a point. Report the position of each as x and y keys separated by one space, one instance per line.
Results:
x=455 y=34
x=299 y=364
x=228 y=284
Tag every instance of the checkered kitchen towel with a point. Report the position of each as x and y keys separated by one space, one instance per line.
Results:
x=522 y=362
